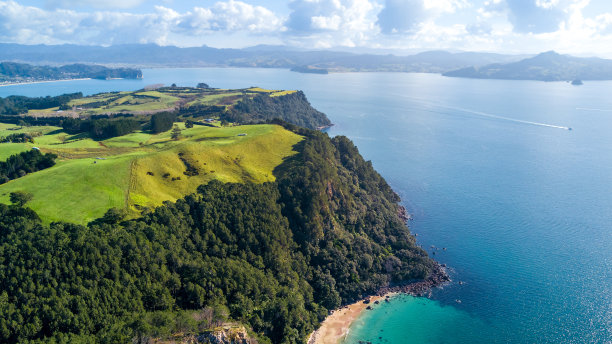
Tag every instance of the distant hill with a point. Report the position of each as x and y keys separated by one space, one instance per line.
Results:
x=21 y=72
x=263 y=56
x=548 y=66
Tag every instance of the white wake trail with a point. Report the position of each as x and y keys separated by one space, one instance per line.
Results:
x=484 y=114
x=593 y=109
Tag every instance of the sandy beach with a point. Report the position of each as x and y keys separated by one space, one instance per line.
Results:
x=39 y=82
x=336 y=326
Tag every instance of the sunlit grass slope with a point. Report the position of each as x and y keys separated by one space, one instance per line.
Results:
x=213 y=154
x=143 y=170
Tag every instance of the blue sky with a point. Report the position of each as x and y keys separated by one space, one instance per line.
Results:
x=580 y=27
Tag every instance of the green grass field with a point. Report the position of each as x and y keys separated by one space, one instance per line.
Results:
x=137 y=170
x=147 y=102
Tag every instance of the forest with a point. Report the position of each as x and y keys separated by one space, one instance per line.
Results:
x=15 y=105
x=293 y=108
x=101 y=128
x=275 y=256
x=19 y=165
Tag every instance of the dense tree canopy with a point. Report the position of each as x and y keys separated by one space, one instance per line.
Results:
x=101 y=128
x=19 y=165
x=14 y=105
x=161 y=122
x=292 y=108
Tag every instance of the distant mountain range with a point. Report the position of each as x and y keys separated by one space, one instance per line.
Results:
x=150 y=55
x=548 y=66
x=22 y=72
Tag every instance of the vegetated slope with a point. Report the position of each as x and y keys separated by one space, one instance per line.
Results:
x=19 y=72
x=275 y=256
x=142 y=170
x=548 y=66
x=243 y=106
x=114 y=160
x=293 y=108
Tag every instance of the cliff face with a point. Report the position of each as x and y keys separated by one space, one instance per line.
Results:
x=226 y=334
x=293 y=108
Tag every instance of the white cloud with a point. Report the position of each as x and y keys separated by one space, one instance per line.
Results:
x=449 y=6
x=401 y=16
x=102 y=4
x=497 y=25
x=31 y=25
x=327 y=23
x=547 y=4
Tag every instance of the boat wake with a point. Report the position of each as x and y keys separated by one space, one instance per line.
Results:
x=484 y=114
x=592 y=109
x=431 y=105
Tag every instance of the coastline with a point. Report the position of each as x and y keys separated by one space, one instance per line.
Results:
x=336 y=326
x=40 y=82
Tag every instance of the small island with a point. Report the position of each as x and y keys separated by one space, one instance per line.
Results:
x=309 y=70
x=577 y=82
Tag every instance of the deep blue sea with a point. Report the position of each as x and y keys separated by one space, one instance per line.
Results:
x=489 y=170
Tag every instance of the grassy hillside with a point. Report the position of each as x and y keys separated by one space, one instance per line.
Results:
x=150 y=101
x=140 y=169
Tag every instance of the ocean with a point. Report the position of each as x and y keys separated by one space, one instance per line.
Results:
x=490 y=171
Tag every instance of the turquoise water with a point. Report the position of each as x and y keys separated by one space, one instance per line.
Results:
x=523 y=206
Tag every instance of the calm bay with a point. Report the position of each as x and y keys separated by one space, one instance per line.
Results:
x=490 y=172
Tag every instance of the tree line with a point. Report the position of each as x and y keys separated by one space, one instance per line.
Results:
x=15 y=105
x=101 y=128
x=293 y=108
x=19 y=165
x=17 y=138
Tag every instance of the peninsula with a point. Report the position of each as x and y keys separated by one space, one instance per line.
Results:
x=15 y=73
x=177 y=214
x=548 y=66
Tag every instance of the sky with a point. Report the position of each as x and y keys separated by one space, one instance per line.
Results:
x=578 y=27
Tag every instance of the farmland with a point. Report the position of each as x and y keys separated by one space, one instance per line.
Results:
x=141 y=170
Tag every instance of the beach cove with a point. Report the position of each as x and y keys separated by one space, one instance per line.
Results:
x=336 y=326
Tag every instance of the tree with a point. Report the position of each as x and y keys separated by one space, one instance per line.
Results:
x=113 y=215
x=20 y=198
x=202 y=85
x=188 y=124
x=176 y=133
x=162 y=121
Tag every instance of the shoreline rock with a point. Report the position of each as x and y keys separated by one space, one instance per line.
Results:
x=436 y=278
x=403 y=214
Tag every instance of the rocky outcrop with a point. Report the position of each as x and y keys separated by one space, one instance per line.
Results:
x=436 y=278
x=402 y=213
x=227 y=334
